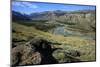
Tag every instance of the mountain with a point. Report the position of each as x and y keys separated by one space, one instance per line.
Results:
x=82 y=20
x=51 y=15
x=47 y=15
x=16 y=16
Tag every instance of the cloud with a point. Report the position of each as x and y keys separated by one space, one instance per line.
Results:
x=30 y=5
x=25 y=5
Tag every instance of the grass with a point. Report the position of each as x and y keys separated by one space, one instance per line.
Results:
x=39 y=24
x=85 y=47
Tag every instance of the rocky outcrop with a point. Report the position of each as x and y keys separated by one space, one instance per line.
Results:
x=25 y=54
x=36 y=51
x=40 y=51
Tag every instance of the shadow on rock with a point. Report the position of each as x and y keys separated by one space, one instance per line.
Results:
x=45 y=50
x=37 y=51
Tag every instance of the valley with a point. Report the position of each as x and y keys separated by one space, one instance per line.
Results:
x=52 y=37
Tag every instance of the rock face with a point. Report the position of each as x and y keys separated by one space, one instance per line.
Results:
x=36 y=51
x=25 y=54
x=40 y=51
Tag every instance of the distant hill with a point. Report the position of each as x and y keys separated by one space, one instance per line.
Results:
x=83 y=20
x=17 y=16
x=47 y=15
x=51 y=15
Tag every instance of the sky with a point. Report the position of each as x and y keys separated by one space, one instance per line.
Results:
x=32 y=7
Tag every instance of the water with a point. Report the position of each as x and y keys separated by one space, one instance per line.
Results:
x=62 y=30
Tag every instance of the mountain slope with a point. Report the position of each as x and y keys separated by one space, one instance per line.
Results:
x=85 y=47
x=17 y=16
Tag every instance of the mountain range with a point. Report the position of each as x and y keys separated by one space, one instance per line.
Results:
x=84 y=20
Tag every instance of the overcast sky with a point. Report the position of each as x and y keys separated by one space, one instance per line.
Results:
x=30 y=7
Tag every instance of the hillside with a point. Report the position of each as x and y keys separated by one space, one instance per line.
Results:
x=72 y=49
x=52 y=37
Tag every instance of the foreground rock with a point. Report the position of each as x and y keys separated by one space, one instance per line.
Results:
x=40 y=51
x=25 y=54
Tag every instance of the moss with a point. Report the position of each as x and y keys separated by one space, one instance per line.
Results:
x=59 y=56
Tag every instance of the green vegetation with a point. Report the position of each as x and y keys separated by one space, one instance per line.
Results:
x=86 y=48
x=38 y=24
